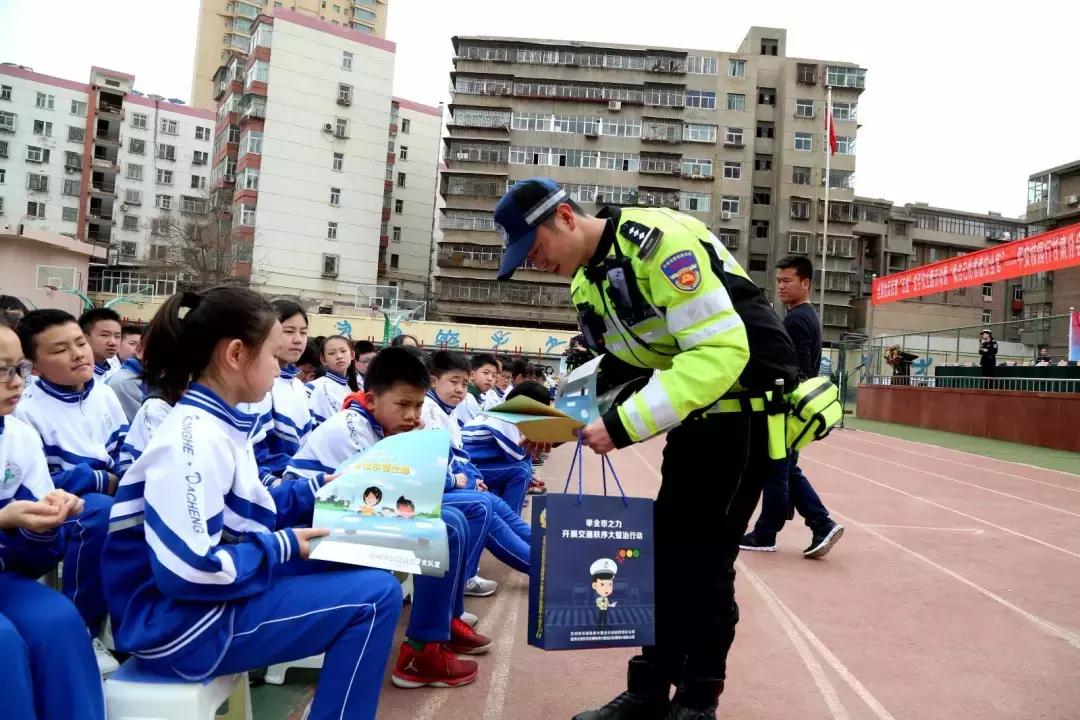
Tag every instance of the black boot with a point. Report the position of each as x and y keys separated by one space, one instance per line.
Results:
x=646 y=696
x=696 y=700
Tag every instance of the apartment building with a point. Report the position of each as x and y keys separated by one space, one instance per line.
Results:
x=733 y=138
x=889 y=238
x=1053 y=201
x=100 y=162
x=301 y=148
x=405 y=257
x=225 y=27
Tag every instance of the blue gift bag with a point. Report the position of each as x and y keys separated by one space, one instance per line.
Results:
x=591 y=576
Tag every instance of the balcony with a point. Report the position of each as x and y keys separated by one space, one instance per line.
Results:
x=101 y=217
x=658 y=198
x=661 y=133
x=106 y=138
x=458 y=186
x=110 y=110
x=467 y=223
x=806 y=74
x=102 y=188
x=486 y=259
x=653 y=165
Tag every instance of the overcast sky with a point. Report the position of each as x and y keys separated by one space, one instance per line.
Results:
x=962 y=103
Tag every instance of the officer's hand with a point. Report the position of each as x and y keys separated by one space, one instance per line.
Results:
x=595 y=436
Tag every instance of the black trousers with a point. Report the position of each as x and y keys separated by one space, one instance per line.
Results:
x=711 y=481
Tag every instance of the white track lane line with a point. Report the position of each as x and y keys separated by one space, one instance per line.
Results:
x=875 y=458
x=968 y=454
x=1043 y=624
x=944 y=507
x=502 y=657
x=938 y=458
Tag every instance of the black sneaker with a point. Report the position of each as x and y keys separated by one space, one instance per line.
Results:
x=823 y=541
x=750 y=541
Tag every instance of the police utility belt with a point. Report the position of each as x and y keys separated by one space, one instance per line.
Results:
x=795 y=419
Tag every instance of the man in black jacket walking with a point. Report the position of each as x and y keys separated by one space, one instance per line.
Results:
x=786 y=483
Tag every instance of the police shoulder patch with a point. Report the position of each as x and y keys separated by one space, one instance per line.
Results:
x=682 y=271
x=645 y=237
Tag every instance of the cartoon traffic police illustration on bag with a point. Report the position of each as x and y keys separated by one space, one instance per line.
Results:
x=603 y=584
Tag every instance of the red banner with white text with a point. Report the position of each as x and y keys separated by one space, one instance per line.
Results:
x=1051 y=250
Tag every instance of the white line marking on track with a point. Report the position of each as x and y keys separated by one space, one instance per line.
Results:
x=1043 y=624
x=974 y=531
x=963 y=482
x=817 y=673
x=969 y=454
x=938 y=458
x=945 y=507
x=504 y=650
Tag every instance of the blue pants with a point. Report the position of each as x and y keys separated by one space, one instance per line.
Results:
x=785 y=485
x=437 y=600
x=82 y=560
x=350 y=614
x=479 y=514
x=49 y=669
x=509 y=481
x=510 y=538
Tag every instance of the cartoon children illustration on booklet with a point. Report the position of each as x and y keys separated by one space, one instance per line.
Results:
x=372 y=498
x=603 y=584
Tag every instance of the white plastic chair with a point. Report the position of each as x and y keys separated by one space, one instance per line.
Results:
x=131 y=693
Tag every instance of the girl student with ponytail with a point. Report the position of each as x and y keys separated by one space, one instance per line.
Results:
x=205 y=574
x=284 y=418
x=339 y=378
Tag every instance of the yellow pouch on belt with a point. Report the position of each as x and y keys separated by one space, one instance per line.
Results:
x=815 y=410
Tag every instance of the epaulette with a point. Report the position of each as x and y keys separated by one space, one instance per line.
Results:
x=646 y=238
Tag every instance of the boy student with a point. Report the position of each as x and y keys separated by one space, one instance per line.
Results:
x=130 y=340
x=102 y=329
x=390 y=404
x=509 y=536
x=81 y=425
x=501 y=452
x=484 y=369
x=50 y=671
x=127 y=382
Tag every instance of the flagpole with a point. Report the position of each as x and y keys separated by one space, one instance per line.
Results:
x=825 y=228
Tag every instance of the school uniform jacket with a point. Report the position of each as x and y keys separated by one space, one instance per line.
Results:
x=25 y=477
x=128 y=385
x=193 y=527
x=493 y=397
x=149 y=417
x=437 y=415
x=325 y=396
x=284 y=422
x=81 y=433
x=470 y=407
x=490 y=441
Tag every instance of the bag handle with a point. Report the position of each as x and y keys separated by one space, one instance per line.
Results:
x=605 y=465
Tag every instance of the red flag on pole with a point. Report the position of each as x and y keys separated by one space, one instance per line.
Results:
x=830 y=128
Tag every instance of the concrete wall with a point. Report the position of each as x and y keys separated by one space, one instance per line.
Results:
x=24 y=263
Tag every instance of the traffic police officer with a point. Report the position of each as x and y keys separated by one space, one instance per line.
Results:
x=656 y=290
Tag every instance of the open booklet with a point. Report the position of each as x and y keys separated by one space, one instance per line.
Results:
x=575 y=407
x=383 y=510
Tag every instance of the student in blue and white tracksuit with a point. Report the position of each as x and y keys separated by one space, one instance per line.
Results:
x=81 y=425
x=284 y=418
x=391 y=403
x=205 y=571
x=102 y=329
x=128 y=385
x=49 y=669
x=509 y=537
x=498 y=449
x=339 y=378
x=482 y=378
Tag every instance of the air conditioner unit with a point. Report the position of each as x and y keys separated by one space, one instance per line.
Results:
x=328 y=127
x=123 y=208
x=726 y=215
x=592 y=134
x=614 y=105
x=1072 y=199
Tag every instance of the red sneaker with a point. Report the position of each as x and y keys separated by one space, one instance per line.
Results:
x=536 y=487
x=435 y=666
x=466 y=641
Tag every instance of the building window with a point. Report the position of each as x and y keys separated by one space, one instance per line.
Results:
x=47 y=102
x=246 y=215
x=1018 y=292
x=393 y=261
x=406 y=124
x=845 y=145
x=762 y=196
x=396 y=235
x=770 y=46
x=251 y=179
x=399 y=206
x=131 y=222
x=37 y=183
x=759 y=263
x=729 y=204
x=766 y=96
x=765 y=130
x=733 y=136
x=728 y=238
x=71 y=187
x=798 y=243
x=133 y=197
x=5 y=92
x=166 y=152
x=76 y=134
x=37 y=154
x=701 y=65
x=736 y=102
x=403 y=153
x=736 y=68
x=841 y=179
x=845 y=76
x=164 y=177
x=339 y=161
x=344 y=94
x=78 y=107
x=168 y=126
x=804 y=108
x=202 y=133
x=341 y=127
x=800 y=175
x=346 y=60
x=72 y=161
x=35 y=209
x=401 y=179
x=804 y=141
x=800 y=208
x=140 y=121
x=763 y=162
x=133 y=172
x=330 y=265
x=695 y=201
x=7 y=120
x=163 y=202
x=137 y=146
x=759 y=229
x=701 y=99
x=693 y=132
x=697 y=167
x=200 y=157
x=198 y=182
x=69 y=214
x=845 y=111
x=331 y=231
x=335 y=196
x=43 y=128
x=987 y=292
x=987 y=317
x=234 y=134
